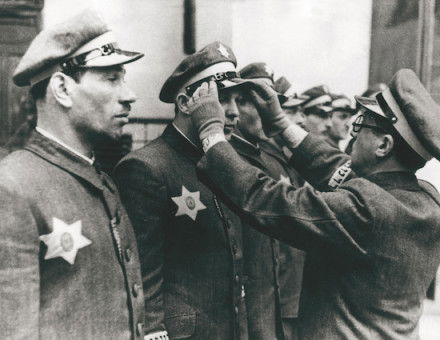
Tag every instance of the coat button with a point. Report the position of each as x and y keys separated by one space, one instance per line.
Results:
x=140 y=329
x=118 y=216
x=236 y=309
x=237 y=278
x=136 y=288
x=234 y=248
x=128 y=254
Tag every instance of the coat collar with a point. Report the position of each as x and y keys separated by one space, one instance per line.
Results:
x=179 y=142
x=395 y=180
x=244 y=147
x=273 y=150
x=66 y=160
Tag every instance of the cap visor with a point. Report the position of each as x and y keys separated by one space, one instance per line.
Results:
x=324 y=108
x=227 y=84
x=117 y=58
x=369 y=104
x=293 y=102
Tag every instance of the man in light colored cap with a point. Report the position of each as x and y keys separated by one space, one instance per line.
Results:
x=273 y=269
x=190 y=243
x=69 y=262
x=317 y=110
x=340 y=116
x=374 y=242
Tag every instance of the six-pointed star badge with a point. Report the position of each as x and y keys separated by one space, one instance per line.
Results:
x=189 y=203
x=285 y=179
x=64 y=241
x=223 y=51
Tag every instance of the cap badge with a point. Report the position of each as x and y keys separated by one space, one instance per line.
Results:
x=65 y=240
x=223 y=51
x=285 y=179
x=188 y=203
x=268 y=70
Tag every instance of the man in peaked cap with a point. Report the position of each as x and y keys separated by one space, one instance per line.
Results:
x=190 y=243
x=292 y=106
x=317 y=110
x=69 y=263
x=340 y=119
x=273 y=270
x=374 y=242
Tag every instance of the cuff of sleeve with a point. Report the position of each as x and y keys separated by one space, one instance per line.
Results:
x=162 y=335
x=293 y=136
x=211 y=140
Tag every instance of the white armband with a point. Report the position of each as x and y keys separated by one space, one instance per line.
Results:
x=162 y=335
x=211 y=140
x=293 y=136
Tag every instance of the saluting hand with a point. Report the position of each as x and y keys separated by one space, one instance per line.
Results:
x=206 y=112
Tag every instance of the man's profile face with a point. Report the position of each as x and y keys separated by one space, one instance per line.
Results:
x=249 y=123
x=364 y=146
x=101 y=103
x=318 y=124
x=230 y=99
x=296 y=116
x=340 y=125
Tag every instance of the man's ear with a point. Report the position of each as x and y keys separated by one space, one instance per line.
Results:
x=385 y=147
x=60 y=85
x=182 y=103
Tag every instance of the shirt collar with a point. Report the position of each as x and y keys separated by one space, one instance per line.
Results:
x=56 y=140
x=183 y=135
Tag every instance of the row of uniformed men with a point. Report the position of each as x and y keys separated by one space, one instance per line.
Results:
x=192 y=266
x=70 y=264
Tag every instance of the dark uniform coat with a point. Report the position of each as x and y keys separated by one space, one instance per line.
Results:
x=373 y=244
x=291 y=260
x=190 y=244
x=273 y=269
x=54 y=292
x=3 y=153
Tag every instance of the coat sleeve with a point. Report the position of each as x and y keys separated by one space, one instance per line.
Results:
x=304 y=218
x=144 y=197
x=19 y=269
x=320 y=164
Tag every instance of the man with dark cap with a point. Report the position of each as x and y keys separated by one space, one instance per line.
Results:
x=292 y=106
x=340 y=116
x=317 y=110
x=190 y=243
x=273 y=269
x=373 y=243
x=68 y=259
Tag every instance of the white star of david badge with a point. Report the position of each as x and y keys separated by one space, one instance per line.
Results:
x=189 y=203
x=64 y=241
x=285 y=179
x=268 y=70
x=223 y=51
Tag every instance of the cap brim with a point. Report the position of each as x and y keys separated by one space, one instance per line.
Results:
x=370 y=103
x=119 y=57
x=324 y=108
x=293 y=102
x=227 y=84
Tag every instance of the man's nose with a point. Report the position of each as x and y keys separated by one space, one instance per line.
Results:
x=127 y=96
x=231 y=111
x=328 y=123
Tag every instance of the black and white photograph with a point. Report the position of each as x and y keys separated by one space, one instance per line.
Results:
x=220 y=169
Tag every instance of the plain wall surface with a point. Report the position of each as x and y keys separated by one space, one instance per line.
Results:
x=311 y=42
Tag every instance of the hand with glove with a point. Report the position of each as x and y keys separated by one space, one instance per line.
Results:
x=269 y=108
x=206 y=113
